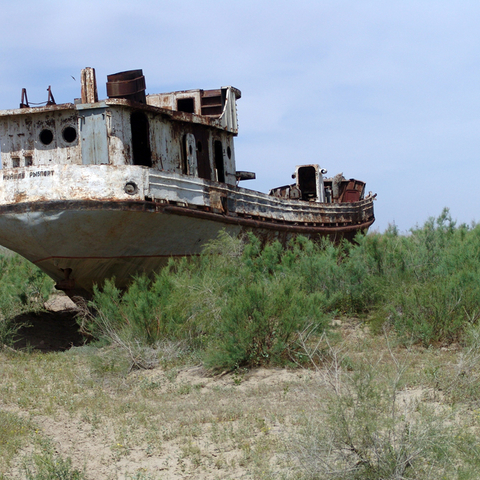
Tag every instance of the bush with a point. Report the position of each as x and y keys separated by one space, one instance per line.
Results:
x=362 y=425
x=243 y=307
x=243 y=303
x=438 y=295
x=260 y=322
x=24 y=286
x=9 y=330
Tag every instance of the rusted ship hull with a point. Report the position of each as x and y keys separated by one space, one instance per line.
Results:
x=81 y=242
x=112 y=188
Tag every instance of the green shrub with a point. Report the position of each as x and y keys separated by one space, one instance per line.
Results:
x=260 y=322
x=243 y=306
x=9 y=330
x=243 y=303
x=24 y=287
x=438 y=296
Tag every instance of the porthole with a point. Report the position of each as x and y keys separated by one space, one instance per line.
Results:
x=46 y=136
x=229 y=152
x=190 y=149
x=199 y=146
x=69 y=134
x=131 y=188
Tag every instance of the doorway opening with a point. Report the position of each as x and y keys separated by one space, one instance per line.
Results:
x=219 y=165
x=141 y=152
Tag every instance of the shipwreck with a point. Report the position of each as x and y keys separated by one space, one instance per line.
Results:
x=97 y=189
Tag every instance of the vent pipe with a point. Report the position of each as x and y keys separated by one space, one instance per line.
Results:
x=89 y=85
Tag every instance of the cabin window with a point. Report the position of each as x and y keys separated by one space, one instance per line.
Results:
x=28 y=161
x=69 y=134
x=219 y=166
x=141 y=152
x=46 y=136
x=186 y=105
x=15 y=162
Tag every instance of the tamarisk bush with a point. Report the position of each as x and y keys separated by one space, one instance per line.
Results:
x=243 y=304
x=240 y=304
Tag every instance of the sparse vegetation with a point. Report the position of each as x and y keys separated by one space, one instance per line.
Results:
x=369 y=425
x=380 y=340
x=14 y=433
x=47 y=465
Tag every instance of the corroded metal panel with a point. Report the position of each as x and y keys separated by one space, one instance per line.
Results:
x=89 y=86
x=129 y=85
x=23 y=139
x=71 y=182
x=226 y=120
x=169 y=100
x=249 y=203
x=93 y=131
x=229 y=120
x=119 y=134
x=101 y=242
x=172 y=187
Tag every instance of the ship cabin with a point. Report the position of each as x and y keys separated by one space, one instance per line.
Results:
x=187 y=132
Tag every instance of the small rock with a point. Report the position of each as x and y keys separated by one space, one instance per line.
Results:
x=57 y=303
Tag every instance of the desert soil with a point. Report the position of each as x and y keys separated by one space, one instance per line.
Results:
x=186 y=423
x=172 y=422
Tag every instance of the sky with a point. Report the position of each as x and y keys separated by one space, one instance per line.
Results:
x=387 y=92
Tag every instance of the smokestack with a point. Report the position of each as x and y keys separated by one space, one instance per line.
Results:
x=129 y=85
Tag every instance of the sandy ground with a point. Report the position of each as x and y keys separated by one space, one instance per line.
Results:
x=169 y=423
x=194 y=451
x=227 y=426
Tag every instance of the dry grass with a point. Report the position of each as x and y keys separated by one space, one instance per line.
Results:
x=176 y=421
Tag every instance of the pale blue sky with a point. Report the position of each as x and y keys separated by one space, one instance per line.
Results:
x=384 y=91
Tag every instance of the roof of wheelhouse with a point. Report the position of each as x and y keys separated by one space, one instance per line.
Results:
x=213 y=108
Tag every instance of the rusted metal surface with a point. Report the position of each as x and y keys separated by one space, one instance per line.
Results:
x=241 y=175
x=224 y=117
x=332 y=190
x=89 y=86
x=24 y=136
x=115 y=187
x=24 y=101
x=100 y=239
x=129 y=85
x=193 y=191
x=71 y=182
x=50 y=99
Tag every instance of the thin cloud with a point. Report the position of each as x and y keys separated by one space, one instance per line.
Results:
x=383 y=91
